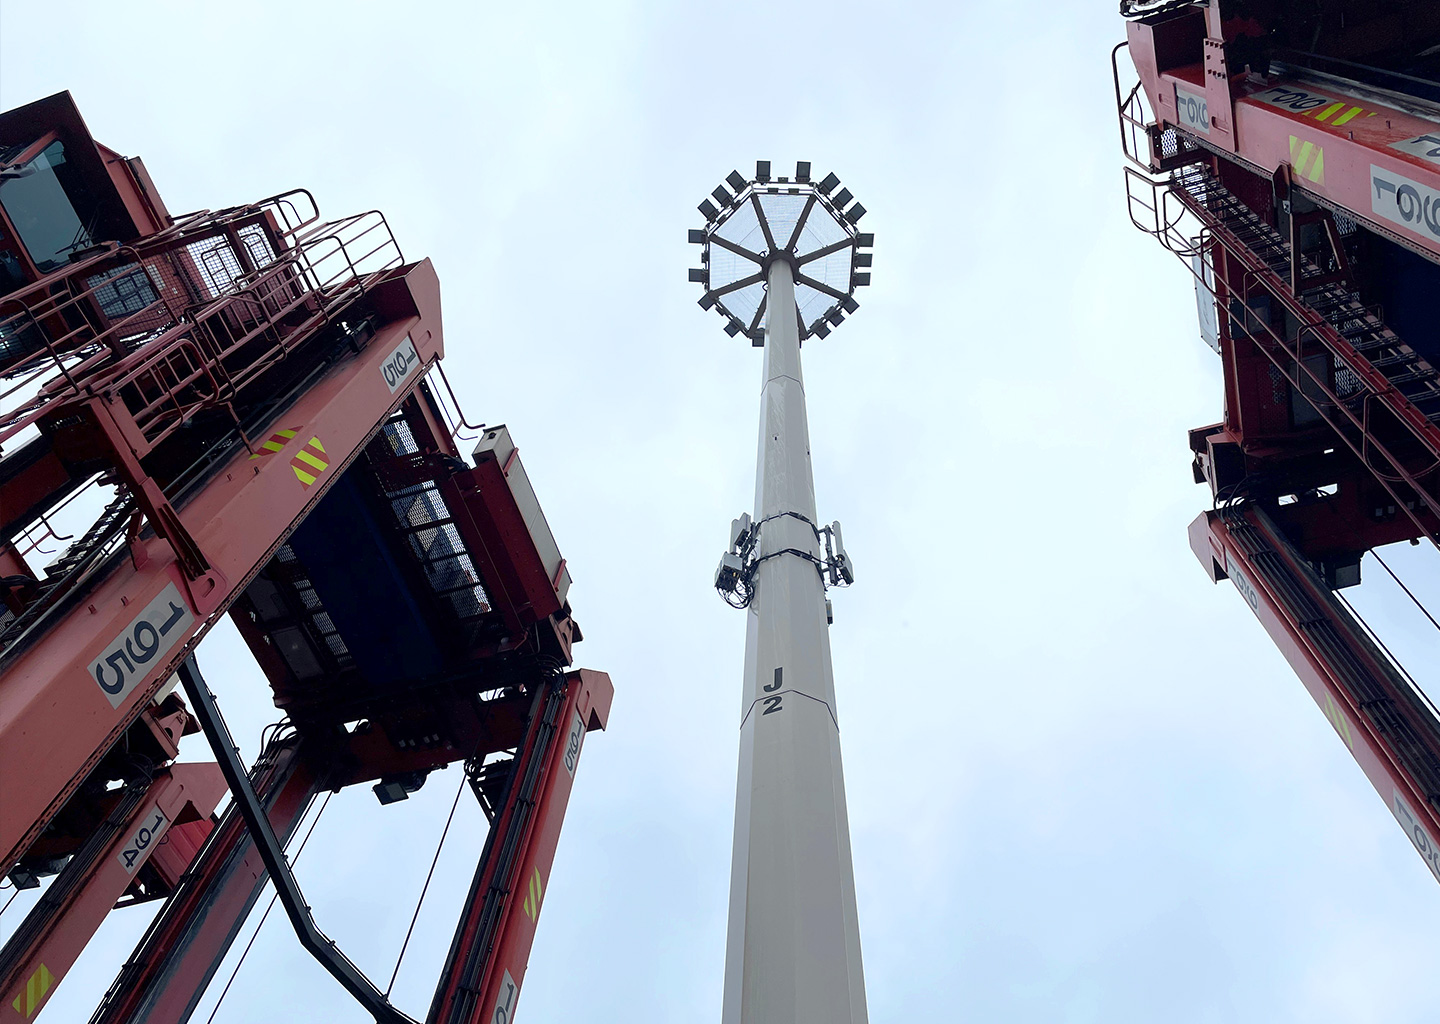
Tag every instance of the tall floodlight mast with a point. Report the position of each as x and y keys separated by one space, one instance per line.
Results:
x=780 y=261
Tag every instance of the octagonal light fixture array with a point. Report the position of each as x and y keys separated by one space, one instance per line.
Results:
x=812 y=225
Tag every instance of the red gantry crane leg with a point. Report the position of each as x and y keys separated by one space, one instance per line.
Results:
x=1386 y=722
x=486 y=965
x=167 y=975
x=132 y=836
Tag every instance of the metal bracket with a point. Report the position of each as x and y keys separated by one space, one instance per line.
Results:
x=734 y=579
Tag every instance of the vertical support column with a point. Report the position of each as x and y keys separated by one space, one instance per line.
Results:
x=485 y=968
x=793 y=949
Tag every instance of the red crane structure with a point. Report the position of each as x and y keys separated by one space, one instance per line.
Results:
x=249 y=402
x=1289 y=154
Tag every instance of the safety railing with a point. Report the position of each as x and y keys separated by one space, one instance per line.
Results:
x=1155 y=209
x=450 y=412
x=291 y=211
x=1147 y=144
x=1353 y=396
x=212 y=307
x=60 y=335
x=287 y=210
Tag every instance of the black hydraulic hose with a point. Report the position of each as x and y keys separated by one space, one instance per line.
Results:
x=257 y=822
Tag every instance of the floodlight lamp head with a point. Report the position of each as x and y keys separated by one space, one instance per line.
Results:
x=758 y=222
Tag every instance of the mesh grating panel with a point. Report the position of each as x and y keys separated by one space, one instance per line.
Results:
x=257 y=246
x=437 y=544
x=122 y=291
x=216 y=263
x=419 y=505
x=466 y=604
x=1347 y=382
x=287 y=568
x=400 y=438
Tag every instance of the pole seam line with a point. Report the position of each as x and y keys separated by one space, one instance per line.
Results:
x=799 y=693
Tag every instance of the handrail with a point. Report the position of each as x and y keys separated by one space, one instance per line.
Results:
x=1353 y=427
x=1131 y=113
x=458 y=412
x=281 y=201
x=330 y=262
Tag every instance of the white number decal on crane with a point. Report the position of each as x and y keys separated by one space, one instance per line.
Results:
x=1424 y=844
x=129 y=658
x=152 y=827
x=505 y=1001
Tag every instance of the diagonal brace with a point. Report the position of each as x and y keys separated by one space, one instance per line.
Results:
x=257 y=822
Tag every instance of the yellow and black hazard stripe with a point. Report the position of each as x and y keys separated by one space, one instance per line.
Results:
x=534 y=895
x=309 y=462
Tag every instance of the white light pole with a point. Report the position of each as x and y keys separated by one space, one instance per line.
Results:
x=793 y=949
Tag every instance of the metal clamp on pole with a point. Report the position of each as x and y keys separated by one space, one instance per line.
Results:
x=735 y=576
x=257 y=822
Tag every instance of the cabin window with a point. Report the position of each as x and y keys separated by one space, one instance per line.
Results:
x=43 y=211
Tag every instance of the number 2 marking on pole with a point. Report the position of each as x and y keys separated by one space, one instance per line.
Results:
x=772 y=704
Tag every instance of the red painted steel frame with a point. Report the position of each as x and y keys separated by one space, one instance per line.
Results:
x=55 y=720
x=1221 y=556
x=165 y=978
x=93 y=668
x=490 y=996
x=182 y=792
x=1256 y=118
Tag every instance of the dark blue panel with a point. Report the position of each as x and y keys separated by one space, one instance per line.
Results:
x=347 y=556
x=1409 y=291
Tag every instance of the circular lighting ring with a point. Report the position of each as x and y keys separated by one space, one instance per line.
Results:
x=810 y=225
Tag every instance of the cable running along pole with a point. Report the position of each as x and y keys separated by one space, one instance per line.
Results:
x=781 y=259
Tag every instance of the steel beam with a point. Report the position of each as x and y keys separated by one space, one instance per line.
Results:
x=480 y=983
x=166 y=976
x=1388 y=725
x=53 y=935
x=1379 y=163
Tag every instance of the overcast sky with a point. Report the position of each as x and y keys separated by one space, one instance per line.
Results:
x=1083 y=784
